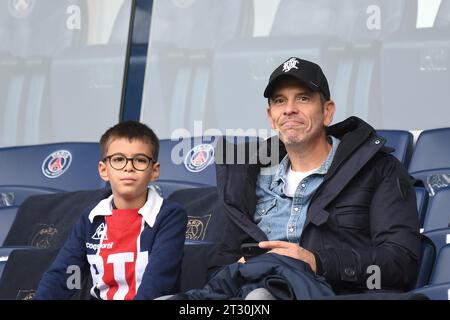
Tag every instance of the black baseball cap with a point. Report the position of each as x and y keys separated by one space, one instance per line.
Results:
x=308 y=73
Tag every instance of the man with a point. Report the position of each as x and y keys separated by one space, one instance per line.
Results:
x=336 y=200
x=333 y=209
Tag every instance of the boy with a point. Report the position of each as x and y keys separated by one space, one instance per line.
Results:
x=133 y=240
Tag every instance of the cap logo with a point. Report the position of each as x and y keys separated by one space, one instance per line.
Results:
x=290 y=64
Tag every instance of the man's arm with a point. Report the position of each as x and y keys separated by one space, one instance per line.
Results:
x=394 y=232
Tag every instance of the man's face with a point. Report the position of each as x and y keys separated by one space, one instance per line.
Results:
x=297 y=113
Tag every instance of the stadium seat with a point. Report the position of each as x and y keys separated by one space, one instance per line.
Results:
x=431 y=156
x=7 y=216
x=186 y=163
x=422 y=203
x=436 y=292
x=401 y=141
x=427 y=259
x=438 y=213
x=439 y=237
x=441 y=270
x=49 y=168
x=42 y=222
x=203 y=234
x=189 y=162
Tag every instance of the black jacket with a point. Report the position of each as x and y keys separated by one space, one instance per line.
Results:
x=284 y=277
x=364 y=213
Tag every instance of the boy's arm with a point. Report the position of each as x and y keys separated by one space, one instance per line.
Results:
x=70 y=262
x=162 y=274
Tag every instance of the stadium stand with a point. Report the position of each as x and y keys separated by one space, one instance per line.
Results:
x=42 y=222
x=181 y=60
x=415 y=57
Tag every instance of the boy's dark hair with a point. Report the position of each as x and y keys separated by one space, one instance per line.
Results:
x=130 y=130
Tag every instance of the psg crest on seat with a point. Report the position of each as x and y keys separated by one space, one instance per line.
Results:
x=56 y=163
x=199 y=157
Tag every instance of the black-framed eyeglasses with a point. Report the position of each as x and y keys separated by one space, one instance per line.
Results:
x=119 y=161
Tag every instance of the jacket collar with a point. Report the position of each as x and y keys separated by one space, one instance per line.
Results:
x=282 y=168
x=149 y=211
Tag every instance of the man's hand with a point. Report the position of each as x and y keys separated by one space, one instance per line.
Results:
x=292 y=250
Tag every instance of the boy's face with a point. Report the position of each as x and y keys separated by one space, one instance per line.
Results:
x=128 y=183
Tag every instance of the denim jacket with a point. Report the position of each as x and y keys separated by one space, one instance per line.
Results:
x=282 y=217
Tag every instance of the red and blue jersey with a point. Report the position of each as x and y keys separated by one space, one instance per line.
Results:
x=131 y=254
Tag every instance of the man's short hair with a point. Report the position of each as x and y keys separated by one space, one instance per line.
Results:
x=131 y=130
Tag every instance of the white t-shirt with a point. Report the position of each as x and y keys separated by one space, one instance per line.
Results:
x=293 y=179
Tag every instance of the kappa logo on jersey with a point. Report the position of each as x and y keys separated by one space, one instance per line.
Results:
x=290 y=64
x=56 y=163
x=199 y=157
x=99 y=232
x=20 y=8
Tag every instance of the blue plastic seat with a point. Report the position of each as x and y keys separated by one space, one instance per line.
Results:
x=436 y=292
x=47 y=168
x=189 y=162
x=438 y=212
x=431 y=155
x=441 y=270
x=422 y=203
x=439 y=237
x=7 y=216
x=401 y=141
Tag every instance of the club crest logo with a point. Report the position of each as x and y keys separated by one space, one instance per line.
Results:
x=56 y=163
x=45 y=237
x=196 y=227
x=199 y=157
x=20 y=8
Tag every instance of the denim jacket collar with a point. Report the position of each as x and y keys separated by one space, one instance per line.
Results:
x=280 y=174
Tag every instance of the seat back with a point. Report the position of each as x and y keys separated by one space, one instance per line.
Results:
x=431 y=155
x=45 y=221
x=401 y=141
x=422 y=203
x=203 y=234
x=427 y=259
x=439 y=237
x=7 y=216
x=438 y=213
x=189 y=162
x=441 y=270
x=49 y=167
